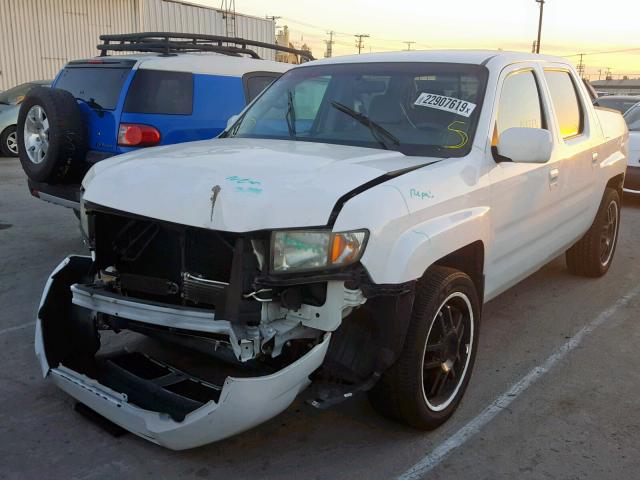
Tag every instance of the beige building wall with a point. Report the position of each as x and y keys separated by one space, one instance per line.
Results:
x=37 y=37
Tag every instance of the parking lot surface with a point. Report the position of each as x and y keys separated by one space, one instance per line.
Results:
x=554 y=393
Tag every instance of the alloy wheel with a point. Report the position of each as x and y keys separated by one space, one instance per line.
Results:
x=36 y=134
x=447 y=352
x=609 y=233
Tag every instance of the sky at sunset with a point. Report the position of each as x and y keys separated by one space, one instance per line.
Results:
x=570 y=26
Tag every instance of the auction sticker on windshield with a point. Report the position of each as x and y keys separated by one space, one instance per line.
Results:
x=448 y=104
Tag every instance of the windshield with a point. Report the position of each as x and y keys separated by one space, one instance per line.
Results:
x=421 y=109
x=632 y=117
x=98 y=86
x=15 y=94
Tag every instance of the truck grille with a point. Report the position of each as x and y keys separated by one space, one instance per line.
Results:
x=151 y=257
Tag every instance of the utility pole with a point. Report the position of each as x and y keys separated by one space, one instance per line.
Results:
x=359 y=43
x=329 y=43
x=581 y=66
x=541 y=2
x=533 y=47
x=409 y=45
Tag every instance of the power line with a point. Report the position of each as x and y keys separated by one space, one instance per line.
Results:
x=604 y=53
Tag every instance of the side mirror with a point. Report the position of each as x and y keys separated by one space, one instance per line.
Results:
x=526 y=145
x=232 y=119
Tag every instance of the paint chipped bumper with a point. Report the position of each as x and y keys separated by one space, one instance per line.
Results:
x=243 y=402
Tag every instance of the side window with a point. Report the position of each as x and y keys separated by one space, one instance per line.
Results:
x=519 y=104
x=160 y=92
x=565 y=102
x=255 y=84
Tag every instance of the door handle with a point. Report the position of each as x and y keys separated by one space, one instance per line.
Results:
x=554 y=173
x=594 y=158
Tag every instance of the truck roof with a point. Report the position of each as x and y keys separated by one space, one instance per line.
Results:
x=477 y=57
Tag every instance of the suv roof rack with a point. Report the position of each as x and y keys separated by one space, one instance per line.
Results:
x=169 y=43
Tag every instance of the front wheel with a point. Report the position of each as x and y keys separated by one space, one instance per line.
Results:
x=592 y=255
x=425 y=385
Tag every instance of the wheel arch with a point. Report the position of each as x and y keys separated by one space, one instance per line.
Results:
x=456 y=240
x=616 y=183
x=470 y=260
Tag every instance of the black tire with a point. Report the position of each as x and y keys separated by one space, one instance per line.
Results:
x=7 y=140
x=64 y=158
x=593 y=254
x=401 y=393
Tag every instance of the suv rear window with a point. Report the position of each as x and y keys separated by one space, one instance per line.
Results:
x=160 y=92
x=98 y=85
x=256 y=83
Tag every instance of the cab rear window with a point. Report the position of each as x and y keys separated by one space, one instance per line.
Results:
x=160 y=92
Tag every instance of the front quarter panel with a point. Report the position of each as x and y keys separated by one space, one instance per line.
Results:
x=420 y=217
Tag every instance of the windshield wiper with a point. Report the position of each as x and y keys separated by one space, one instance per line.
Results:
x=290 y=116
x=377 y=131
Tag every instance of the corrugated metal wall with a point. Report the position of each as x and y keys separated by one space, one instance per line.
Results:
x=37 y=37
x=171 y=16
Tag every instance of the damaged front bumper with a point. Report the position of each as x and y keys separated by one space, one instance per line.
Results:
x=239 y=403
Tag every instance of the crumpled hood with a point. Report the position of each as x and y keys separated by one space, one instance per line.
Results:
x=257 y=184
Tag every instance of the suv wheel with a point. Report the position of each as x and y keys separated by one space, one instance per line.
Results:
x=9 y=142
x=51 y=138
x=592 y=255
x=425 y=385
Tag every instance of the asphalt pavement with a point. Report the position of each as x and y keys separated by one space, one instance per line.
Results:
x=554 y=393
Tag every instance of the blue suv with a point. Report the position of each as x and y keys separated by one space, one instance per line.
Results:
x=175 y=88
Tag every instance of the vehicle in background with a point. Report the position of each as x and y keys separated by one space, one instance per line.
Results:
x=10 y=101
x=176 y=88
x=632 y=178
x=344 y=231
x=622 y=103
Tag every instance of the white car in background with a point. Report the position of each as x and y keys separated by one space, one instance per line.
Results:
x=10 y=101
x=632 y=178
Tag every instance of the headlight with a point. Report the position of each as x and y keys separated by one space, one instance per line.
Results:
x=296 y=250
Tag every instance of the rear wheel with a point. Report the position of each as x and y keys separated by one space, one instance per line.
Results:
x=425 y=385
x=592 y=255
x=9 y=142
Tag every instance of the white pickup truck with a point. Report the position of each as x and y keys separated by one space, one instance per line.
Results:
x=345 y=230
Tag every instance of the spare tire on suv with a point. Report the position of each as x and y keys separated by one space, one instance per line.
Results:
x=51 y=136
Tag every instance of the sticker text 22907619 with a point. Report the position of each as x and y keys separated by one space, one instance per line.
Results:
x=448 y=104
